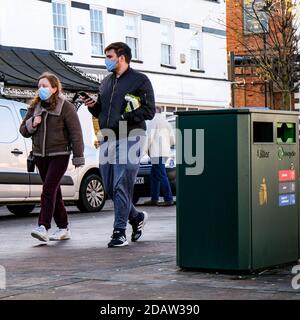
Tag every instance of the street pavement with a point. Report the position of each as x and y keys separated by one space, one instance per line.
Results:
x=83 y=268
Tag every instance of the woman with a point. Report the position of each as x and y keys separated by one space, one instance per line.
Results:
x=53 y=124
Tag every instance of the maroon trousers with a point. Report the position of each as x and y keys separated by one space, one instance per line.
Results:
x=51 y=170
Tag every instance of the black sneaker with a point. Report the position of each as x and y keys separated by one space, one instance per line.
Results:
x=165 y=203
x=118 y=239
x=151 y=203
x=138 y=226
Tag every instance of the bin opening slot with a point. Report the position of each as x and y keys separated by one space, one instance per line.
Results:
x=262 y=132
x=286 y=132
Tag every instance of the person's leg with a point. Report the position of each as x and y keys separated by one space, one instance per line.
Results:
x=124 y=175
x=41 y=232
x=107 y=174
x=128 y=154
x=154 y=186
x=61 y=219
x=124 y=178
x=56 y=168
x=124 y=209
x=163 y=178
x=60 y=213
x=136 y=218
x=44 y=218
x=155 y=182
x=106 y=170
x=122 y=199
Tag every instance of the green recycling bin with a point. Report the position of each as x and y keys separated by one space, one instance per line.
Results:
x=237 y=189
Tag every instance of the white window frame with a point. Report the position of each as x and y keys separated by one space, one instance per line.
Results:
x=133 y=35
x=97 y=32
x=196 y=58
x=169 y=44
x=196 y=46
x=61 y=27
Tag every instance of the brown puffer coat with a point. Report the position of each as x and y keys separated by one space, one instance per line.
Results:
x=59 y=133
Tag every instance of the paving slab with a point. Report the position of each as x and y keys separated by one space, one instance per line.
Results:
x=83 y=268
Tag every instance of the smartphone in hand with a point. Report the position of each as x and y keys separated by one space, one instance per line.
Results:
x=84 y=95
x=80 y=94
x=88 y=101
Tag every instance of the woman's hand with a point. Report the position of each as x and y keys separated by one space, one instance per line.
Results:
x=36 y=121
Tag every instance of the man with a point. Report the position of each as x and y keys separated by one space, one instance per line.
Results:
x=160 y=139
x=125 y=101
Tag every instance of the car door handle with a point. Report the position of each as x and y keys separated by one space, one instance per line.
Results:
x=17 y=151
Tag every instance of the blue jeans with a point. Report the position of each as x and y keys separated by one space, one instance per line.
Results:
x=159 y=178
x=118 y=175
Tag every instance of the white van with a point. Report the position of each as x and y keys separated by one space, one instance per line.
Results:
x=20 y=191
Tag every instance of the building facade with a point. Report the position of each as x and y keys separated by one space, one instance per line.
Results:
x=180 y=45
x=247 y=89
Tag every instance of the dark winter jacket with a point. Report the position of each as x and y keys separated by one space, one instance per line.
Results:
x=59 y=133
x=111 y=103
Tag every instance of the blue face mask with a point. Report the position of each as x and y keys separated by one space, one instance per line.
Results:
x=44 y=93
x=110 y=64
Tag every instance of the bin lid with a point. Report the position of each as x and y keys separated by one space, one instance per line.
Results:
x=236 y=111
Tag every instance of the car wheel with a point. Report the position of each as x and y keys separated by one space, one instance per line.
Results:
x=21 y=210
x=91 y=195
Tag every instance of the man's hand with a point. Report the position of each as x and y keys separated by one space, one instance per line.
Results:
x=36 y=121
x=133 y=102
x=89 y=102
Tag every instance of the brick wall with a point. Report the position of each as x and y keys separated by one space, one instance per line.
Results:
x=249 y=91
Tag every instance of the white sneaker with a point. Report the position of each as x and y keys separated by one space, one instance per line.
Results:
x=40 y=233
x=60 y=234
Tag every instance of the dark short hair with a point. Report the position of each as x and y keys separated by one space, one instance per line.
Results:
x=120 y=49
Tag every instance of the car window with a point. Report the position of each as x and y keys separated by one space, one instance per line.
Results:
x=23 y=113
x=8 y=130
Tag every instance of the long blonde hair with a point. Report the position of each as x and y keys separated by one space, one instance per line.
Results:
x=55 y=83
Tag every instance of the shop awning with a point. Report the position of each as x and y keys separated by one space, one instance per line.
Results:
x=21 y=67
